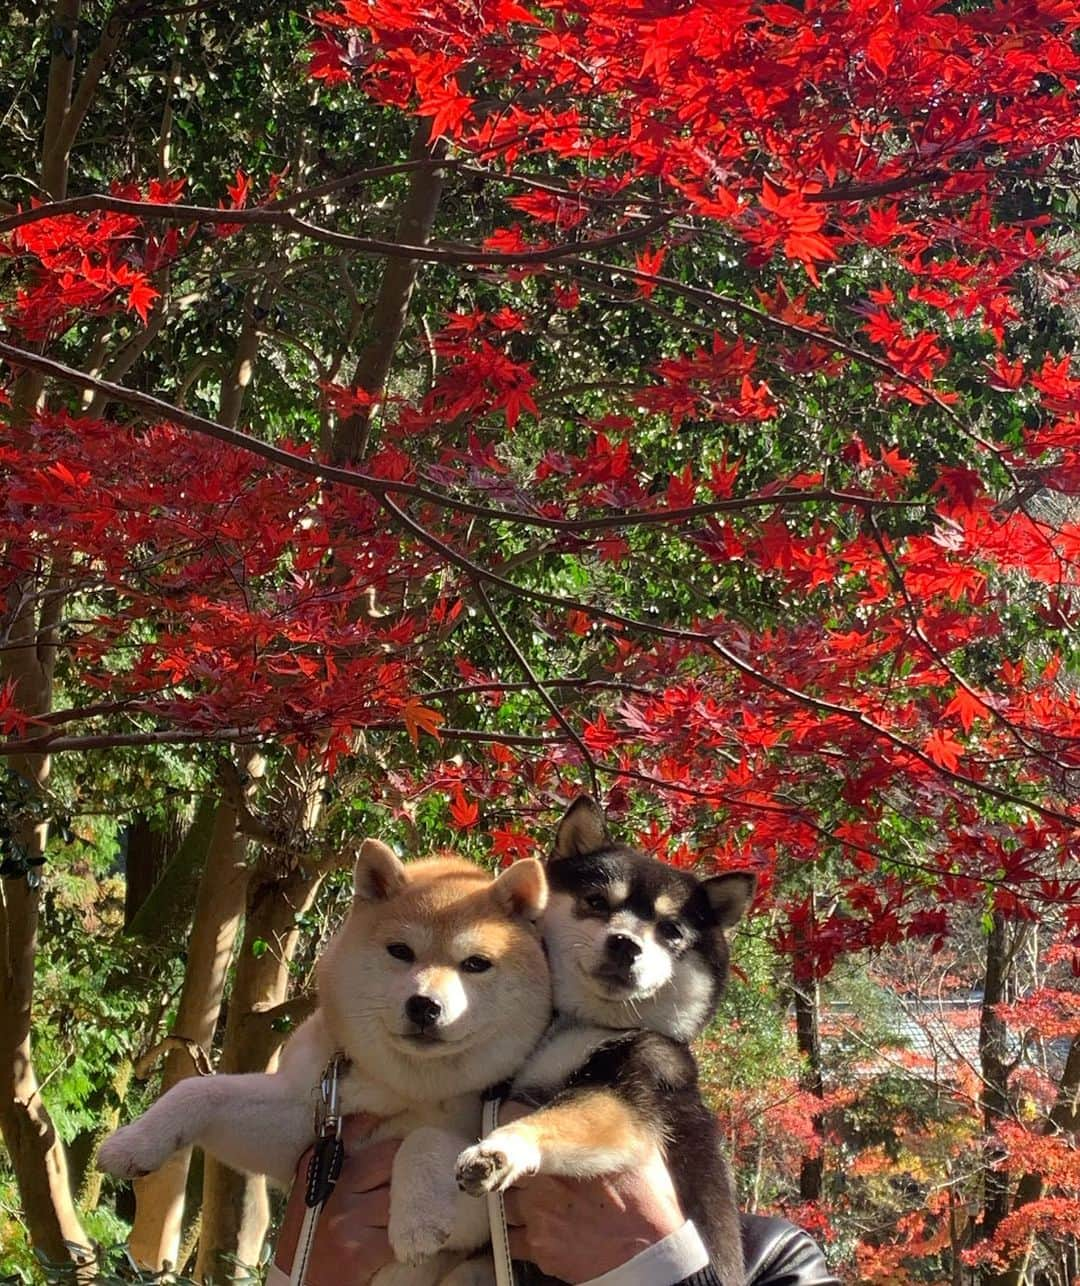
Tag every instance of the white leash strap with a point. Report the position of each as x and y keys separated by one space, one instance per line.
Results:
x=303 y=1246
x=500 y=1237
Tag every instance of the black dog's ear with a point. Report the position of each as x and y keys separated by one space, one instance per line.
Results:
x=582 y=830
x=730 y=896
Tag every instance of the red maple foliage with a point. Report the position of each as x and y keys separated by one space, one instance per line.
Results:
x=856 y=163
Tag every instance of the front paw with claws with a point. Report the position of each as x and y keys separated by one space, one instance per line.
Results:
x=495 y=1164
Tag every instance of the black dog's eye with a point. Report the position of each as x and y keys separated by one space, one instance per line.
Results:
x=596 y=902
x=401 y=951
x=475 y=964
x=669 y=931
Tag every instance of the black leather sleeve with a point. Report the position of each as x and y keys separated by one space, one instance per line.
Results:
x=779 y=1254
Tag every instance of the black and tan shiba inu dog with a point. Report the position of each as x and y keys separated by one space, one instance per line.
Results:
x=638 y=955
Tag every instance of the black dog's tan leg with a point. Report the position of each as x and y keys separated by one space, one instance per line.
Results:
x=584 y=1134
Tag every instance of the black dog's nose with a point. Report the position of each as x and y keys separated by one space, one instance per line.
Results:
x=423 y=1011
x=622 y=949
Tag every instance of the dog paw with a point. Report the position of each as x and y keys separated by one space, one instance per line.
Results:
x=494 y=1166
x=131 y=1152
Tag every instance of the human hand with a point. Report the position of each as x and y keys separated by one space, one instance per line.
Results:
x=577 y=1229
x=351 y=1242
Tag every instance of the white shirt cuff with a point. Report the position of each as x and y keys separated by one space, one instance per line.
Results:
x=680 y=1255
x=276 y=1276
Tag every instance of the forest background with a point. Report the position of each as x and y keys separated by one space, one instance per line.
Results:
x=415 y=414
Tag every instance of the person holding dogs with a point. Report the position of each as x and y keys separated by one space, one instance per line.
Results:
x=625 y=1182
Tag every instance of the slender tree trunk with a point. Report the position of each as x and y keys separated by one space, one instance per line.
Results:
x=391 y=307
x=1064 y=1118
x=806 y=993
x=234 y=386
x=993 y=1059
x=36 y=1152
x=808 y=1037
x=150 y=849
x=235 y=1208
x=160 y=916
x=156 y=1232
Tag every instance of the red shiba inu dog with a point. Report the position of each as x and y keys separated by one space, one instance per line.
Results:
x=434 y=989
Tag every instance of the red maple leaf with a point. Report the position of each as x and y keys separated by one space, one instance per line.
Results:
x=465 y=812
x=943 y=749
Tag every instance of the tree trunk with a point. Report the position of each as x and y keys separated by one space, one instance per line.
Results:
x=1064 y=1118
x=160 y=916
x=806 y=994
x=993 y=1059
x=808 y=1037
x=37 y=1154
x=156 y=1232
x=235 y=1207
x=159 y=1210
x=391 y=307
x=149 y=850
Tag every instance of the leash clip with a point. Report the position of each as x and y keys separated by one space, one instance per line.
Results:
x=328 y=1111
x=325 y=1165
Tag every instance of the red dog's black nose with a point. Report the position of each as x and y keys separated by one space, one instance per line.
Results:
x=423 y=1011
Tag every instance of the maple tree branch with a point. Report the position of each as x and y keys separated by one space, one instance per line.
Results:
x=53 y=744
x=935 y=653
x=133 y=706
x=378 y=487
x=868 y=191
x=269 y=216
x=709 y=641
x=289 y=200
x=584 y=685
x=712 y=299
x=537 y=685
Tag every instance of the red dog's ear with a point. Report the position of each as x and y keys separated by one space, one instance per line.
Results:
x=378 y=873
x=730 y=896
x=522 y=889
x=582 y=830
